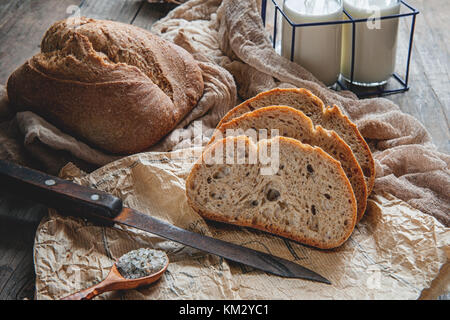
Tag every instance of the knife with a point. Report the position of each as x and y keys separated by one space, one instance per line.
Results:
x=107 y=209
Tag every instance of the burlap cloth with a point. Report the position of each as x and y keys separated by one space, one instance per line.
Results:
x=396 y=251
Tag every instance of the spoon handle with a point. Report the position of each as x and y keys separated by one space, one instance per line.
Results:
x=89 y=293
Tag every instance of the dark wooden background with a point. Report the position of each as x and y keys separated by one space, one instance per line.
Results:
x=23 y=23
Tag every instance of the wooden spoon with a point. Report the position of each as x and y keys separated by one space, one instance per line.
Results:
x=115 y=281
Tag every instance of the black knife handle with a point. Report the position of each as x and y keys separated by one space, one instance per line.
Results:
x=68 y=197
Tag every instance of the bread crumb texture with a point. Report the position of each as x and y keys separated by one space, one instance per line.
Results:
x=330 y=118
x=308 y=198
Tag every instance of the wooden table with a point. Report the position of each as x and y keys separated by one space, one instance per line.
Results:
x=23 y=22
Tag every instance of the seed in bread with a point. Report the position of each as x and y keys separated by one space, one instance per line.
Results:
x=309 y=199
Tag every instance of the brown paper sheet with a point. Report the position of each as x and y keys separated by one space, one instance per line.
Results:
x=395 y=252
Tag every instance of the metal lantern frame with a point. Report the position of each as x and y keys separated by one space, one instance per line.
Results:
x=402 y=81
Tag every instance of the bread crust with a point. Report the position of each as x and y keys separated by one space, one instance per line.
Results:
x=245 y=106
x=369 y=170
x=273 y=230
x=115 y=86
x=326 y=113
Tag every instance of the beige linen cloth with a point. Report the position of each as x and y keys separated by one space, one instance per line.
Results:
x=396 y=251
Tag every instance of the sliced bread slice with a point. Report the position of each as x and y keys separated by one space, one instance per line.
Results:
x=295 y=124
x=313 y=107
x=308 y=198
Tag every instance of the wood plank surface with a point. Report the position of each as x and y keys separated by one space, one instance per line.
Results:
x=22 y=26
x=429 y=97
x=18 y=222
x=150 y=13
x=23 y=23
x=123 y=11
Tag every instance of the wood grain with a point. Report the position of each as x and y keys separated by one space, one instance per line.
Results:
x=150 y=13
x=23 y=23
x=18 y=222
x=123 y=11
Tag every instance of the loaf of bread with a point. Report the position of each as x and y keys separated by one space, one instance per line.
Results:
x=115 y=86
x=308 y=198
x=313 y=107
x=295 y=124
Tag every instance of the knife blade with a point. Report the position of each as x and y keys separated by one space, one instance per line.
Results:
x=100 y=206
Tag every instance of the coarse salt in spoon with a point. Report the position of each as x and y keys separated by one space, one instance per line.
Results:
x=134 y=269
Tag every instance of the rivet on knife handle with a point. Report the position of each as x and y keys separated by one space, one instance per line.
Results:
x=58 y=193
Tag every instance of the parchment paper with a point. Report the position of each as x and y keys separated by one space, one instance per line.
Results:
x=395 y=252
